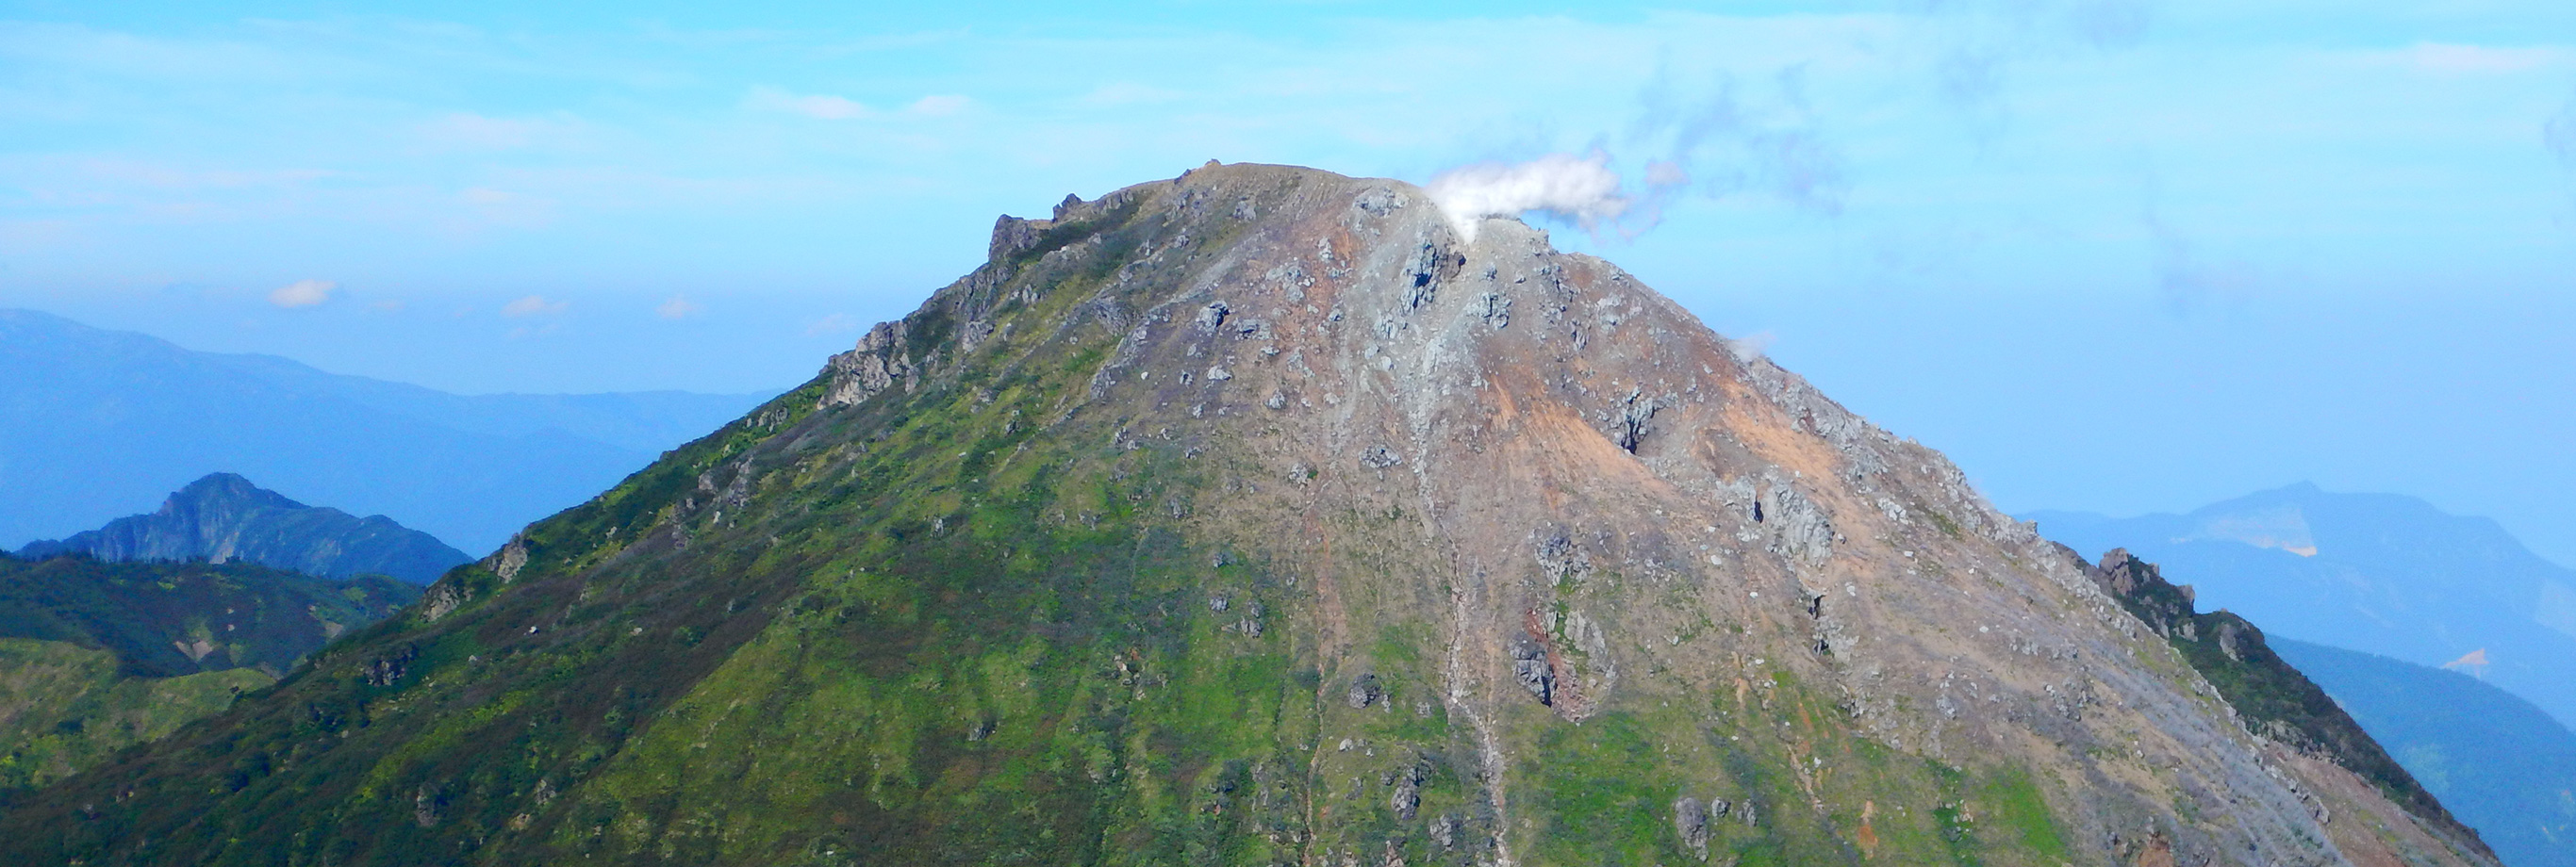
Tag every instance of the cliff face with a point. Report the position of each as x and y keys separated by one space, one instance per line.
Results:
x=1256 y=517
x=223 y=517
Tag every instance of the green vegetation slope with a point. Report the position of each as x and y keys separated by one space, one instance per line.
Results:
x=97 y=656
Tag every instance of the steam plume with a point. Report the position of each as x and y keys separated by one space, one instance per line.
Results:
x=1583 y=190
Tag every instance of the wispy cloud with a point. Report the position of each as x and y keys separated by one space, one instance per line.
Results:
x=468 y=131
x=361 y=139
x=2482 y=59
x=1119 y=94
x=534 y=305
x=303 y=293
x=1723 y=142
x=166 y=176
x=817 y=106
x=496 y=207
x=823 y=106
x=940 y=105
x=1711 y=140
x=679 y=308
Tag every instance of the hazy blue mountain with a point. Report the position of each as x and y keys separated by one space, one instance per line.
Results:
x=223 y=517
x=643 y=421
x=2380 y=573
x=2500 y=764
x=95 y=424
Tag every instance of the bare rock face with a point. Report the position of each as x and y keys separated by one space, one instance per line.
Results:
x=1501 y=538
x=1407 y=799
x=1364 y=691
x=880 y=360
x=1690 y=820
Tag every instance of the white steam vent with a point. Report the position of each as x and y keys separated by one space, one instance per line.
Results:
x=1583 y=190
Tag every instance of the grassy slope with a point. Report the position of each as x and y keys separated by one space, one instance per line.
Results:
x=91 y=655
x=63 y=707
x=245 y=615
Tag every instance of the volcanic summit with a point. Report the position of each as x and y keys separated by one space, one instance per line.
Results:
x=1258 y=517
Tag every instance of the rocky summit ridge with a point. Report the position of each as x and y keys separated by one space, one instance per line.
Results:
x=1258 y=517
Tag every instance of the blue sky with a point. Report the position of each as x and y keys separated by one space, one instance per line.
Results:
x=2116 y=255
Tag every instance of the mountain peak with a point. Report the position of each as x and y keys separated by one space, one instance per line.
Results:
x=217 y=490
x=223 y=517
x=1259 y=516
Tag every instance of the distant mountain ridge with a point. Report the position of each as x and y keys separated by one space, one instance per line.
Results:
x=2379 y=573
x=223 y=517
x=2499 y=763
x=95 y=424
